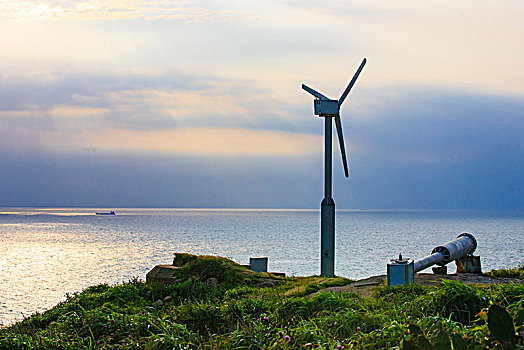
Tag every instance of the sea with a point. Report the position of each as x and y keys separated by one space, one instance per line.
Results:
x=46 y=253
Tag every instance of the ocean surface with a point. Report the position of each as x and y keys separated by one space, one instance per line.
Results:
x=46 y=253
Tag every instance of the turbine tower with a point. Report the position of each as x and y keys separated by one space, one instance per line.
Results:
x=329 y=109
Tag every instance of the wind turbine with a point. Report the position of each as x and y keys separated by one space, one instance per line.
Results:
x=328 y=109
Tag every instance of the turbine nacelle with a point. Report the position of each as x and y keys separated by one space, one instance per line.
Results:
x=326 y=108
x=323 y=106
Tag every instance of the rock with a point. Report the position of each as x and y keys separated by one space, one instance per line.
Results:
x=440 y=270
x=162 y=274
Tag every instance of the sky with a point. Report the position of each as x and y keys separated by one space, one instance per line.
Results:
x=198 y=104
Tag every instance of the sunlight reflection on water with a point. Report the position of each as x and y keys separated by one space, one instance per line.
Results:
x=47 y=253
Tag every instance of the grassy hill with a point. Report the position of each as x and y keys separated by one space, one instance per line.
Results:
x=218 y=304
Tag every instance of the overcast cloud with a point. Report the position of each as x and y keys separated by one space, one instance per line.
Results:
x=198 y=103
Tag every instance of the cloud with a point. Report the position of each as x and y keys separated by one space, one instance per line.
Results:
x=189 y=11
x=436 y=125
x=185 y=141
x=471 y=45
x=137 y=113
x=434 y=148
x=412 y=124
x=408 y=147
x=66 y=111
x=92 y=103
x=44 y=179
x=467 y=45
x=434 y=121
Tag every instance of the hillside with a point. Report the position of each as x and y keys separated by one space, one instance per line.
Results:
x=218 y=304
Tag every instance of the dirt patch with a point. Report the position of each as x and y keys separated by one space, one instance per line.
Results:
x=366 y=287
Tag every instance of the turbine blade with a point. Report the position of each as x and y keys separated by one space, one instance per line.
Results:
x=338 y=124
x=314 y=93
x=352 y=82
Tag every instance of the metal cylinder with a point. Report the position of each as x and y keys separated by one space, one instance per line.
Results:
x=427 y=262
x=464 y=244
x=453 y=250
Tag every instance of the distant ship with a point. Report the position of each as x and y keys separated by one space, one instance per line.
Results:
x=106 y=213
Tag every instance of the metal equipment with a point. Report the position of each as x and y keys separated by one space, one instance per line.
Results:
x=460 y=250
x=400 y=271
x=329 y=110
x=464 y=244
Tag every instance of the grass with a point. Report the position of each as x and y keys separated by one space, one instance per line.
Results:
x=517 y=272
x=300 y=286
x=238 y=313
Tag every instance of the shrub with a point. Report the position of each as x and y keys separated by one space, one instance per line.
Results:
x=459 y=301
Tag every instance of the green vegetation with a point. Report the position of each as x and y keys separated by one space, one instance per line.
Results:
x=517 y=272
x=204 y=267
x=217 y=304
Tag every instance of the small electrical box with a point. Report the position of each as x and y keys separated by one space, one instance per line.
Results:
x=258 y=264
x=400 y=271
x=326 y=107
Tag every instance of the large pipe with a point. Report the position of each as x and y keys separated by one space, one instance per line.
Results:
x=428 y=261
x=464 y=244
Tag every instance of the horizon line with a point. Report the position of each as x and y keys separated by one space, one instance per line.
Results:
x=249 y=209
